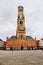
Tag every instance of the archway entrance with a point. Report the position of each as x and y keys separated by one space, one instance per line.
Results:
x=22 y=46
x=11 y=48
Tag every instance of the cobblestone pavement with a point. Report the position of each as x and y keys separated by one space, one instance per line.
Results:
x=29 y=57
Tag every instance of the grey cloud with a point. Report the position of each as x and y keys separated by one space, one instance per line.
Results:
x=33 y=11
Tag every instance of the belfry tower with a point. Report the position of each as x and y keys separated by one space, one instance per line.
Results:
x=21 y=33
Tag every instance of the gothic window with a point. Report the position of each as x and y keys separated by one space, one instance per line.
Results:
x=18 y=17
x=21 y=22
x=21 y=36
x=20 y=10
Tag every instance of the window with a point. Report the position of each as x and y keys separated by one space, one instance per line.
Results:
x=21 y=36
x=21 y=22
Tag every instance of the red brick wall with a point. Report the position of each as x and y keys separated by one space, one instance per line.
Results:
x=17 y=43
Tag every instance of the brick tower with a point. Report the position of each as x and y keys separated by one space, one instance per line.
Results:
x=20 y=33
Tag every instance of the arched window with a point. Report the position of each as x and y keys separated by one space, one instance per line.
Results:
x=21 y=22
x=21 y=36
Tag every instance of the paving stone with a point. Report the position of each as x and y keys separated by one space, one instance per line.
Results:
x=34 y=57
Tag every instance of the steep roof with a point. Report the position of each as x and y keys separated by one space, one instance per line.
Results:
x=29 y=37
x=15 y=37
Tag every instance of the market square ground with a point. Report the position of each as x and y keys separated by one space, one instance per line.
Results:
x=31 y=57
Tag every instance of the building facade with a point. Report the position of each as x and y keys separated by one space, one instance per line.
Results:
x=21 y=41
x=2 y=45
x=41 y=43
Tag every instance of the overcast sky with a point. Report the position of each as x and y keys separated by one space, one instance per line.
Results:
x=33 y=11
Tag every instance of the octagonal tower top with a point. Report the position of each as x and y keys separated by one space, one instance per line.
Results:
x=20 y=8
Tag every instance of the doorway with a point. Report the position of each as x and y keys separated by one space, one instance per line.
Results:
x=22 y=46
x=11 y=48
